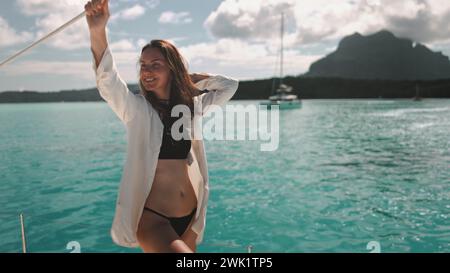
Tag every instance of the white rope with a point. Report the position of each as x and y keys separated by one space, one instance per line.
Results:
x=76 y=18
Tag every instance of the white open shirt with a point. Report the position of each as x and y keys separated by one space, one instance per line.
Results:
x=144 y=138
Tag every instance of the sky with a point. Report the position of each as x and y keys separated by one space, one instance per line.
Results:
x=236 y=38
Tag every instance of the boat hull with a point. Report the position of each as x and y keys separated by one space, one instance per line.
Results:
x=283 y=104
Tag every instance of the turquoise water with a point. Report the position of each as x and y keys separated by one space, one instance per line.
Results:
x=347 y=172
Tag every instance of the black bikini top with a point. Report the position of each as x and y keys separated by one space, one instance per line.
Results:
x=171 y=148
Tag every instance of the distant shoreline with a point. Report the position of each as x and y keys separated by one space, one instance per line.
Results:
x=304 y=87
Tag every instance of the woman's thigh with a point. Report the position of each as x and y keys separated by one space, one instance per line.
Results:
x=189 y=238
x=155 y=234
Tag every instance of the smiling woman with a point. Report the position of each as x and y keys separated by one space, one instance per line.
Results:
x=162 y=201
x=161 y=64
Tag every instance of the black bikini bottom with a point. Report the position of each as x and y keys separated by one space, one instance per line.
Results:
x=179 y=224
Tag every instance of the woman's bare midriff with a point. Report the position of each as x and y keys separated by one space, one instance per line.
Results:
x=172 y=193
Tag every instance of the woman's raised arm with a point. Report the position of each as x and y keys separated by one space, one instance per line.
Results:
x=109 y=83
x=97 y=16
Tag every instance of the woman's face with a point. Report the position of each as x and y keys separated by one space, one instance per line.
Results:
x=155 y=73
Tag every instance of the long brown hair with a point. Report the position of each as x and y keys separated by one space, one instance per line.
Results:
x=182 y=88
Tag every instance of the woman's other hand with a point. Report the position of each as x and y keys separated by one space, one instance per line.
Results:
x=196 y=77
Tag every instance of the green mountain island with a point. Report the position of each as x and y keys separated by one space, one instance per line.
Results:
x=382 y=56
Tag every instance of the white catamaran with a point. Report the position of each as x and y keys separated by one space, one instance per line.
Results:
x=283 y=96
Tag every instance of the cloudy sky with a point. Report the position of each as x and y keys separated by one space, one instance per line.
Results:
x=238 y=38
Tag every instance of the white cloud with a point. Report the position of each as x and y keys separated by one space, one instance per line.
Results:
x=51 y=15
x=254 y=60
x=315 y=21
x=74 y=37
x=151 y=4
x=170 y=17
x=142 y=42
x=175 y=40
x=9 y=36
x=250 y=20
x=123 y=45
x=129 y=14
x=43 y=7
x=80 y=70
x=133 y=12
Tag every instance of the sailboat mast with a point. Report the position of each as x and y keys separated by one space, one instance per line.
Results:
x=281 y=58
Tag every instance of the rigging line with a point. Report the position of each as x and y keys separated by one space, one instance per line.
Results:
x=73 y=20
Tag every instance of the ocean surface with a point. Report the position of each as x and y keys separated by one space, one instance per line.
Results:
x=348 y=176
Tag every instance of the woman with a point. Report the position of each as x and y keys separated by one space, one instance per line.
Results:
x=161 y=205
